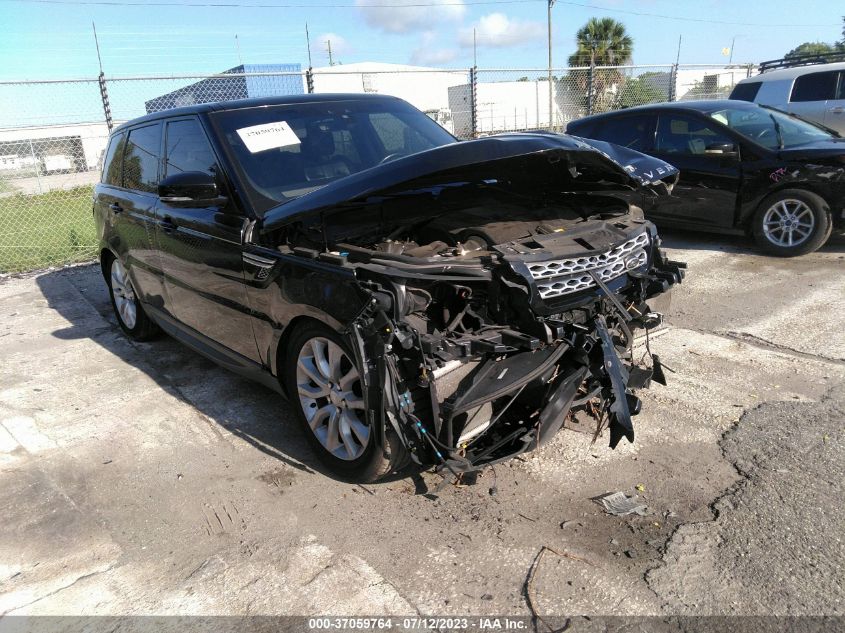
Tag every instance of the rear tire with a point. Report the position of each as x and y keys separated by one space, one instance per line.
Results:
x=127 y=307
x=792 y=222
x=324 y=387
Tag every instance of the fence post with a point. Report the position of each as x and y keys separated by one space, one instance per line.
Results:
x=309 y=80
x=473 y=89
x=673 y=82
x=590 y=88
x=37 y=166
x=104 y=95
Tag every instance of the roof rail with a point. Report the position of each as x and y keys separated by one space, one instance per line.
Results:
x=803 y=60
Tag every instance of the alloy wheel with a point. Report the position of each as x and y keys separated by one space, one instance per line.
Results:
x=329 y=390
x=788 y=223
x=124 y=296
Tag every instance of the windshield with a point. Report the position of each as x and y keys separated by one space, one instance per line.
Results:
x=770 y=128
x=285 y=151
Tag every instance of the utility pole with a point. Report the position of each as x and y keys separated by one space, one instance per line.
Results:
x=731 y=54
x=551 y=93
x=101 y=80
x=329 y=46
x=308 y=44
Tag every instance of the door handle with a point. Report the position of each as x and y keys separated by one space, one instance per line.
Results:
x=837 y=110
x=116 y=208
x=167 y=224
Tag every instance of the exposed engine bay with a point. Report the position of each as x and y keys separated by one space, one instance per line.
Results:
x=493 y=310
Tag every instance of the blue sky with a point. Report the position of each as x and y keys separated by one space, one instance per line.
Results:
x=53 y=39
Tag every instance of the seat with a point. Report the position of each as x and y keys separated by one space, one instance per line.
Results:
x=318 y=156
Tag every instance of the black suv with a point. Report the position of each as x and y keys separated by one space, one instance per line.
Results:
x=416 y=298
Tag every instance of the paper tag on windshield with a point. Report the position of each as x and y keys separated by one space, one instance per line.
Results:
x=259 y=138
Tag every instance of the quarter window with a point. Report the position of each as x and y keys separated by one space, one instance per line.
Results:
x=112 y=171
x=679 y=134
x=141 y=159
x=188 y=149
x=747 y=91
x=814 y=87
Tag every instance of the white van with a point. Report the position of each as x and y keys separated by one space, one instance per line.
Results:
x=813 y=92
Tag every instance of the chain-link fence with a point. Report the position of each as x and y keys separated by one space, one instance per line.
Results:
x=53 y=133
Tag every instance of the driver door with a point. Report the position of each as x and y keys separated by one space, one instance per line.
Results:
x=706 y=193
x=201 y=253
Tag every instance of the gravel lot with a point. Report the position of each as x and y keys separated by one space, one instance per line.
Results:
x=142 y=479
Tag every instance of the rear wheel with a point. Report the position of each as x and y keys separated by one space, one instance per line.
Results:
x=325 y=388
x=792 y=222
x=126 y=305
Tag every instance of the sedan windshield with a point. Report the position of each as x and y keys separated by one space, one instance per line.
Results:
x=770 y=128
x=282 y=152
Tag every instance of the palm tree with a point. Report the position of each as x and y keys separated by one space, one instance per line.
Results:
x=601 y=42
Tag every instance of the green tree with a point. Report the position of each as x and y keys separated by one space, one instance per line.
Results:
x=649 y=87
x=810 y=48
x=840 y=45
x=600 y=43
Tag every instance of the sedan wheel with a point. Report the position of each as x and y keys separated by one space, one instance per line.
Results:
x=792 y=222
x=329 y=390
x=788 y=223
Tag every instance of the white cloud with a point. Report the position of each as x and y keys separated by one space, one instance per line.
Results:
x=499 y=31
x=340 y=45
x=402 y=17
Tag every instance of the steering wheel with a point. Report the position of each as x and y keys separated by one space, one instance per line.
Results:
x=391 y=157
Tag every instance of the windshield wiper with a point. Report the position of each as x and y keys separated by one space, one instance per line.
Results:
x=777 y=131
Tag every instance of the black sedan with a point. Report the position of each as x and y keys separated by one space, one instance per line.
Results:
x=745 y=168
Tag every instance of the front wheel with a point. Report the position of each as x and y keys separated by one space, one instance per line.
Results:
x=325 y=387
x=792 y=222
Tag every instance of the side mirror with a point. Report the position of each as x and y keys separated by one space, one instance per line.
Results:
x=190 y=189
x=722 y=149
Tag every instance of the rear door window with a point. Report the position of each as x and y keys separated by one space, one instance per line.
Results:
x=142 y=158
x=634 y=131
x=747 y=91
x=112 y=164
x=815 y=87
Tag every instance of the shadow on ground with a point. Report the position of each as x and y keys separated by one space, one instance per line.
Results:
x=248 y=410
x=737 y=244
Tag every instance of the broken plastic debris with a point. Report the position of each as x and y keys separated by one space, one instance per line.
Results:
x=640 y=487
x=618 y=504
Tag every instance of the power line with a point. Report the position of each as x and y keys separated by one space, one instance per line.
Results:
x=382 y=5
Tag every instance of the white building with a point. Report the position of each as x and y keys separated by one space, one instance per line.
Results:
x=423 y=87
x=72 y=148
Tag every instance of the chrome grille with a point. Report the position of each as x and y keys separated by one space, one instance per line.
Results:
x=564 y=276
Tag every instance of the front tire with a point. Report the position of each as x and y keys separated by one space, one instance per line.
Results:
x=325 y=388
x=792 y=222
x=127 y=307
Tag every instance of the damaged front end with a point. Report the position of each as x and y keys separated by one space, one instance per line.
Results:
x=502 y=297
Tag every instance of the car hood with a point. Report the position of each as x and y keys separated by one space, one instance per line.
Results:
x=594 y=163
